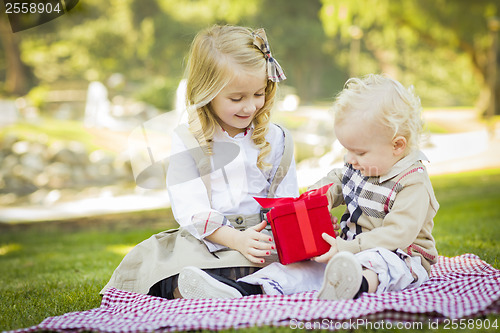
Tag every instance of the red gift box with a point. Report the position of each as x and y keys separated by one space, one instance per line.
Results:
x=297 y=224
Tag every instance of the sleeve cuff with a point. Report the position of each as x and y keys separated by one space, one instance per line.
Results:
x=205 y=224
x=349 y=246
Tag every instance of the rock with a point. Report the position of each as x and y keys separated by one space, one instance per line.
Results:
x=19 y=186
x=59 y=175
x=64 y=156
x=32 y=163
x=20 y=147
x=41 y=180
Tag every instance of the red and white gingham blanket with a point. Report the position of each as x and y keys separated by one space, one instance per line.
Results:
x=459 y=287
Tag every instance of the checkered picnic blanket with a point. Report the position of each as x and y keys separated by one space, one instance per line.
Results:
x=459 y=287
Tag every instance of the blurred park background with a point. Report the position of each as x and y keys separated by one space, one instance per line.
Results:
x=73 y=90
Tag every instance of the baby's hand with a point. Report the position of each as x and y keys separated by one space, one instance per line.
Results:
x=324 y=258
x=254 y=244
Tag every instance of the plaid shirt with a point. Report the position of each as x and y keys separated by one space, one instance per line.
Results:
x=366 y=195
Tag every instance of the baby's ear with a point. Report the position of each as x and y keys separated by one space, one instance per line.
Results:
x=399 y=145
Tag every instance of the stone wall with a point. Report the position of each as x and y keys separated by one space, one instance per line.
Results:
x=36 y=172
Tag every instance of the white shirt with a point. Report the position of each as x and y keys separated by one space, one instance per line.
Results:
x=233 y=185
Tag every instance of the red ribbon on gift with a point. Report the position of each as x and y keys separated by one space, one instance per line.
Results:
x=301 y=211
x=305 y=227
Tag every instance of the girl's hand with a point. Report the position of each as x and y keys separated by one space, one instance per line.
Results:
x=336 y=226
x=324 y=258
x=254 y=244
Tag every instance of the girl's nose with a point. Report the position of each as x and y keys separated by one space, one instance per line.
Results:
x=250 y=106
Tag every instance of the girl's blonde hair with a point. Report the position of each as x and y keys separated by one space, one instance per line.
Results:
x=216 y=56
x=384 y=100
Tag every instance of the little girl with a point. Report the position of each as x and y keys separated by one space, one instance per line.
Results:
x=386 y=241
x=228 y=153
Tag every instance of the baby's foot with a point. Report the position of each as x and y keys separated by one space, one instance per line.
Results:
x=195 y=283
x=343 y=277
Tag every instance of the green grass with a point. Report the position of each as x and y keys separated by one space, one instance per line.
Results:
x=53 y=268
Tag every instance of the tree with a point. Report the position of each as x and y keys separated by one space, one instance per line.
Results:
x=17 y=74
x=424 y=41
x=145 y=40
x=299 y=43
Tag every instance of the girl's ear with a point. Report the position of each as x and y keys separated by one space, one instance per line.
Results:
x=398 y=145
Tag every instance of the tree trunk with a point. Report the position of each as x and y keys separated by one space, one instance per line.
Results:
x=16 y=72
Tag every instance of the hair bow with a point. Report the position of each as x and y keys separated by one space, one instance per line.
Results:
x=274 y=71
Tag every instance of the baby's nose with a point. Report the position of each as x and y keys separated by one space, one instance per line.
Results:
x=349 y=158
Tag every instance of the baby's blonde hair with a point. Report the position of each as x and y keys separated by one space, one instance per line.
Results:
x=384 y=100
x=216 y=56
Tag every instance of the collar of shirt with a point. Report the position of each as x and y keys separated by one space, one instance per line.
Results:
x=403 y=164
x=247 y=130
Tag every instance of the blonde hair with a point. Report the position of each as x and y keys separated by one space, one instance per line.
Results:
x=385 y=100
x=215 y=56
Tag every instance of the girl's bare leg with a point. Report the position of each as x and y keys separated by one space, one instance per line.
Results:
x=177 y=293
x=372 y=279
